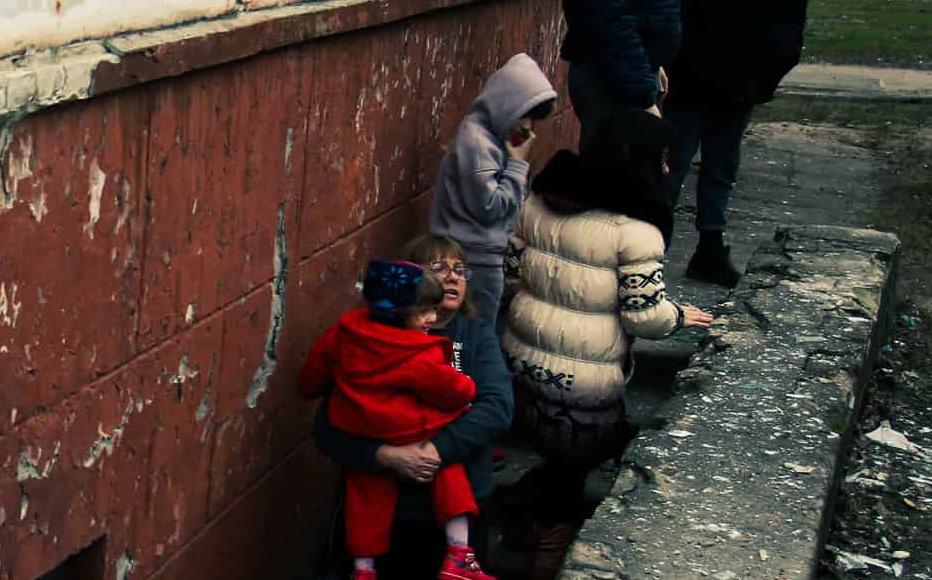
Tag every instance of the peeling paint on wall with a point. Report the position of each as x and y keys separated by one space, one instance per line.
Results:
x=185 y=372
x=23 y=507
x=360 y=107
x=124 y=566
x=95 y=189
x=260 y=381
x=189 y=314
x=106 y=442
x=37 y=205
x=9 y=306
x=289 y=147
x=124 y=203
x=28 y=466
x=203 y=410
x=16 y=168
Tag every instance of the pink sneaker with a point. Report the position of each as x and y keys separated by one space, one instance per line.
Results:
x=460 y=564
x=367 y=574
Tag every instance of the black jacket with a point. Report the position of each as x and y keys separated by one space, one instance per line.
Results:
x=735 y=52
x=466 y=440
x=629 y=39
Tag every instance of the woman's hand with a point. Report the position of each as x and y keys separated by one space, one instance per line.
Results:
x=692 y=316
x=664 y=83
x=417 y=462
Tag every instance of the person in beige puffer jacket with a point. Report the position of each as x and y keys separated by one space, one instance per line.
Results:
x=591 y=279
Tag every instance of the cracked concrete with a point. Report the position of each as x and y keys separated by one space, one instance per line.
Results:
x=260 y=381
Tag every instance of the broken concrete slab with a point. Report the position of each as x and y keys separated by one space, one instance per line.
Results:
x=790 y=173
x=767 y=404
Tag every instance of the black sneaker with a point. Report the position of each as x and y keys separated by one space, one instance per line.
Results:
x=713 y=265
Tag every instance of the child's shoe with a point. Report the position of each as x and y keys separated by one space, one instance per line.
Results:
x=364 y=574
x=460 y=564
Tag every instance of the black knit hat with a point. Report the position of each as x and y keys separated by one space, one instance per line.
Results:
x=390 y=288
x=626 y=129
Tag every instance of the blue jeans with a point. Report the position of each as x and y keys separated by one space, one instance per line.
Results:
x=719 y=134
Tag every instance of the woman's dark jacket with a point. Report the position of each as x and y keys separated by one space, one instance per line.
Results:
x=629 y=39
x=735 y=52
x=466 y=440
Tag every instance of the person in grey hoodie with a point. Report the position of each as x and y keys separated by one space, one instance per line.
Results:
x=483 y=176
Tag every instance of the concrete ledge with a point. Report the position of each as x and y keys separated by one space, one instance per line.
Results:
x=738 y=485
x=79 y=71
x=858 y=82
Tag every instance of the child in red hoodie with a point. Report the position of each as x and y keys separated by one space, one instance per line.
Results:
x=394 y=382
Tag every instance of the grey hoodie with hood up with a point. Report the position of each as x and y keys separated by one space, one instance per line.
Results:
x=480 y=188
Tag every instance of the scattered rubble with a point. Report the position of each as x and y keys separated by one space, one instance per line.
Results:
x=883 y=522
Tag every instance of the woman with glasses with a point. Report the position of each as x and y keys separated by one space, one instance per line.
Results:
x=418 y=545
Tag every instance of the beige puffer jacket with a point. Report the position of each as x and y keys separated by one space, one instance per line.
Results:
x=589 y=282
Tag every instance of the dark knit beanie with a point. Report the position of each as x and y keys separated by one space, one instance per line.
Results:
x=391 y=289
x=626 y=130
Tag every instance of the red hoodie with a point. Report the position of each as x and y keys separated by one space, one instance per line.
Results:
x=392 y=384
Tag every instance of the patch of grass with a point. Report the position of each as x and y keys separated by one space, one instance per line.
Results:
x=862 y=114
x=871 y=32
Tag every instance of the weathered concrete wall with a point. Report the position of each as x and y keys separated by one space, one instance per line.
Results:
x=167 y=254
x=31 y=24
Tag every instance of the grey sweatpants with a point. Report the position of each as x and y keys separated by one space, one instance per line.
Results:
x=485 y=290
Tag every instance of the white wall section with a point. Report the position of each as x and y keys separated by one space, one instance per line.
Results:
x=46 y=23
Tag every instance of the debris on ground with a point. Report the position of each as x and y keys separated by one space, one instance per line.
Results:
x=886 y=435
x=883 y=522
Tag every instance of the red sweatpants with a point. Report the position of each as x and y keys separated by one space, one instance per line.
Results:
x=371 y=499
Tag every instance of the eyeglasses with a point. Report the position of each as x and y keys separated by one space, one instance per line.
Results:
x=441 y=269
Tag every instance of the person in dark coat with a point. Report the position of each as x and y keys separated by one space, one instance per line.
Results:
x=734 y=54
x=617 y=50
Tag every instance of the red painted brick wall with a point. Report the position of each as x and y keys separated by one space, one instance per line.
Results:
x=160 y=232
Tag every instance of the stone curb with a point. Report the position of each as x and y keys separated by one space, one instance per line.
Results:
x=741 y=483
x=858 y=83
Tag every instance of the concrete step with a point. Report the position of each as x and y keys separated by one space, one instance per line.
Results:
x=741 y=481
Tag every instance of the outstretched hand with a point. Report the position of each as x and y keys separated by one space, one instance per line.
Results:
x=417 y=462
x=692 y=316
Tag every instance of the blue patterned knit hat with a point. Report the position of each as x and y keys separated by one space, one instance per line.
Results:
x=390 y=289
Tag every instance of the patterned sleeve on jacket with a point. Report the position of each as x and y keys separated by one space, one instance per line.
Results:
x=643 y=305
